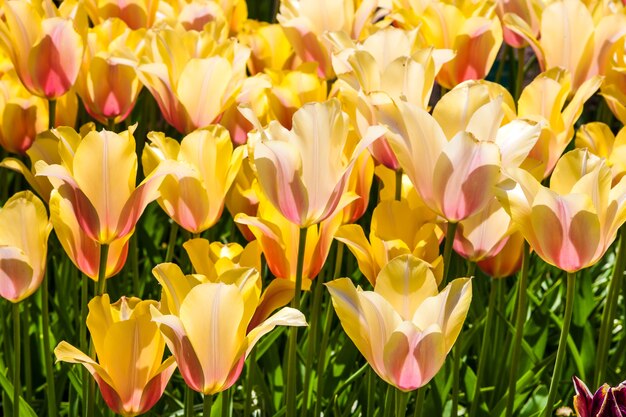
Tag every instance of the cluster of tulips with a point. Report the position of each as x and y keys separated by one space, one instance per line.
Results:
x=359 y=131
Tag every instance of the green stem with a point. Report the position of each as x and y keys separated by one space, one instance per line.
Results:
x=606 y=328
x=419 y=401
x=389 y=397
x=16 y=361
x=207 y=404
x=520 y=319
x=52 y=107
x=189 y=393
x=503 y=59
x=102 y=268
x=482 y=359
x=560 y=353
x=321 y=364
x=447 y=251
x=45 y=320
x=293 y=331
x=84 y=299
x=171 y=243
x=401 y=402
x=519 y=74
x=399 y=184
x=371 y=393
x=311 y=344
x=28 y=379
x=111 y=124
x=134 y=265
x=226 y=403
x=247 y=406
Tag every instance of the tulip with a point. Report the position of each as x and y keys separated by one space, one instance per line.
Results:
x=605 y=402
x=360 y=183
x=194 y=15
x=199 y=80
x=507 y=261
x=543 y=101
x=23 y=115
x=212 y=259
x=130 y=371
x=243 y=196
x=206 y=323
x=24 y=230
x=614 y=85
x=269 y=46
x=45 y=44
x=279 y=238
x=135 y=13
x=107 y=83
x=305 y=21
x=405 y=327
x=572 y=223
x=389 y=60
x=98 y=182
x=598 y=139
x=417 y=234
x=294 y=169
x=203 y=166
x=570 y=38
x=529 y=11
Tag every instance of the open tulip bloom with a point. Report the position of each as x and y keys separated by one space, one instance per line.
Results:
x=405 y=327
x=206 y=324
x=607 y=401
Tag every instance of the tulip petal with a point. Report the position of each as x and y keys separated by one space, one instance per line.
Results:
x=16 y=274
x=286 y=316
x=176 y=285
x=353 y=236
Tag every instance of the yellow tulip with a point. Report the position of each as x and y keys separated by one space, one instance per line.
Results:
x=24 y=230
x=600 y=140
x=23 y=114
x=614 y=85
x=454 y=158
x=294 y=169
x=507 y=261
x=206 y=324
x=96 y=179
x=193 y=76
x=130 y=370
x=570 y=38
x=405 y=327
x=243 y=196
x=572 y=223
x=278 y=238
x=390 y=60
x=269 y=46
x=194 y=15
x=543 y=101
x=203 y=167
x=107 y=83
x=306 y=21
x=135 y=13
x=45 y=44
x=212 y=259
x=388 y=238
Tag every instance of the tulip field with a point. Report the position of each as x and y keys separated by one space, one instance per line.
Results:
x=298 y=208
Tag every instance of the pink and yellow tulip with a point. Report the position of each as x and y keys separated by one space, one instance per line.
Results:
x=107 y=83
x=598 y=138
x=45 y=44
x=405 y=327
x=24 y=230
x=614 y=84
x=416 y=234
x=570 y=38
x=278 y=238
x=96 y=179
x=206 y=324
x=293 y=166
x=269 y=46
x=572 y=223
x=135 y=13
x=203 y=167
x=212 y=259
x=507 y=261
x=183 y=69
x=130 y=370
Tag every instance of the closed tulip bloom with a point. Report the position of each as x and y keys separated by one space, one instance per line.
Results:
x=23 y=115
x=135 y=13
x=614 y=85
x=193 y=76
x=278 y=238
x=572 y=223
x=507 y=261
x=45 y=44
x=405 y=327
x=416 y=234
x=544 y=101
x=108 y=84
x=570 y=38
x=206 y=324
x=24 y=230
x=130 y=370
x=607 y=401
x=98 y=181
x=303 y=171
x=204 y=166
